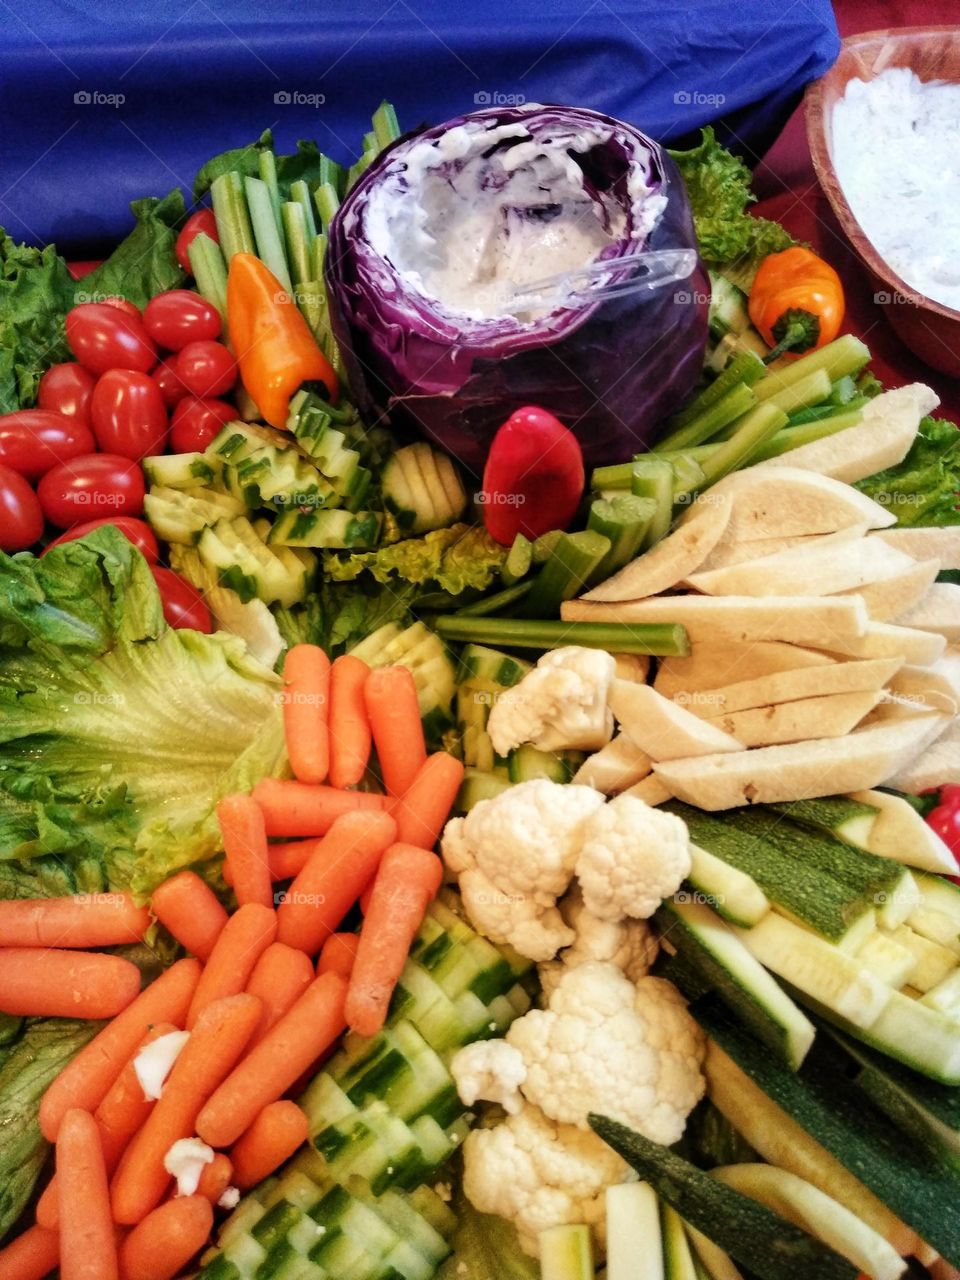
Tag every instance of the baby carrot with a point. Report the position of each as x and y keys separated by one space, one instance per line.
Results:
x=306 y=711
x=338 y=954
x=330 y=883
x=84 y=1081
x=245 y=846
x=33 y=1255
x=88 y=1248
x=65 y=984
x=190 y=910
x=279 y=979
x=285 y=859
x=215 y=1177
x=276 y=1133
x=297 y=809
x=390 y=695
x=406 y=882
x=289 y=1048
x=425 y=806
x=118 y=1117
x=217 y=1041
x=86 y=920
x=165 y=1241
x=245 y=937
x=349 y=724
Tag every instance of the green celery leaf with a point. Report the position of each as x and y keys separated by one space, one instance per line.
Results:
x=143 y=264
x=36 y=291
x=460 y=558
x=485 y=1247
x=924 y=489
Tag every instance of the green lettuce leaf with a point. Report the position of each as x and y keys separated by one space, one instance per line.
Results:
x=460 y=558
x=36 y=291
x=718 y=185
x=117 y=733
x=304 y=163
x=924 y=489
x=143 y=264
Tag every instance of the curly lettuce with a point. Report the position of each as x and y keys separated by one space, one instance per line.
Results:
x=923 y=489
x=460 y=558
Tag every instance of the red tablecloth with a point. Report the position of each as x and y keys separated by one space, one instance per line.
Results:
x=789 y=192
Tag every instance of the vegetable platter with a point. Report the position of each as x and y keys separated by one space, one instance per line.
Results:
x=479 y=750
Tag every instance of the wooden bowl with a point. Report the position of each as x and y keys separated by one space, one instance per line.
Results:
x=930 y=329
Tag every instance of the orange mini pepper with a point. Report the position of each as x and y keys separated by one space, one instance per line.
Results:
x=796 y=301
x=275 y=349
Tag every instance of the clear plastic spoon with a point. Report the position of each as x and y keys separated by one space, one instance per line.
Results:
x=654 y=269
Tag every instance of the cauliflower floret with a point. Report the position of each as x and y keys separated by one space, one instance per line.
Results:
x=608 y=1046
x=514 y=855
x=539 y=1174
x=632 y=857
x=629 y=944
x=561 y=703
x=491 y=1071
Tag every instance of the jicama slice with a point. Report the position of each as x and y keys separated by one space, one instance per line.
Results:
x=831 y=716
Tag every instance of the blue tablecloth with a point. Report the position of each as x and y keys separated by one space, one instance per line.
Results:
x=102 y=103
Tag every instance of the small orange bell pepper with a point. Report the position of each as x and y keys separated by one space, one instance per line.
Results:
x=274 y=347
x=796 y=301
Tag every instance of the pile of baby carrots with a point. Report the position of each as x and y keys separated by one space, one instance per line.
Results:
x=266 y=992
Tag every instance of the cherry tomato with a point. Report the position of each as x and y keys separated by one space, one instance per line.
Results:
x=195 y=423
x=136 y=531
x=104 y=337
x=168 y=380
x=21 y=516
x=202 y=222
x=175 y=318
x=90 y=487
x=123 y=304
x=183 y=606
x=129 y=416
x=66 y=389
x=34 y=440
x=206 y=368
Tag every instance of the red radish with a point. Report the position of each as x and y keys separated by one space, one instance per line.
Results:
x=534 y=477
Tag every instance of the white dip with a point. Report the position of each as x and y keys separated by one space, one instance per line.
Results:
x=896 y=150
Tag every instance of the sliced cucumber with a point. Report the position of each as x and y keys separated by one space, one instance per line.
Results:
x=479 y=662
x=728 y=308
x=823 y=972
x=233 y=550
x=181 y=516
x=337 y=529
x=732 y=893
x=421 y=489
x=240 y=439
x=738 y=978
x=181 y=470
x=678 y=1261
x=526 y=763
x=477 y=786
x=634 y=1240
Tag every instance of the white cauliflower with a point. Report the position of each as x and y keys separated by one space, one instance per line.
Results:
x=514 y=855
x=606 y=1045
x=629 y=944
x=492 y=1070
x=631 y=858
x=539 y=1174
x=561 y=703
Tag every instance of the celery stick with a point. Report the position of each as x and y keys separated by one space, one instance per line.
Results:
x=543 y=546
x=811 y=390
x=233 y=217
x=746 y=367
x=327 y=202
x=793 y=437
x=268 y=175
x=843 y=390
x=300 y=193
x=269 y=244
x=696 y=453
x=688 y=474
x=654 y=478
x=311 y=300
x=843 y=356
x=519 y=560
x=625 y=522
x=386 y=128
x=298 y=246
x=210 y=272
x=500 y=600
x=830 y=409
x=569 y=568
x=755 y=430
x=737 y=401
x=359 y=168
x=662 y=639
x=328 y=171
x=616 y=476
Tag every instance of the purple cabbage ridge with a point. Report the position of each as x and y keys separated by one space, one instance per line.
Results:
x=611 y=370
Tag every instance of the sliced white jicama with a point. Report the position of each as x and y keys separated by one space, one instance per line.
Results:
x=661 y=728
x=791 y=686
x=185 y=1161
x=830 y=716
x=800 y=770
x=672 y=559
x=938 y=611
x=927 y=685
x=634 y=1246
x=709 y=666
x=817 y=622
x=899 y=832
x=614 y=767
x=155 y=1061
x=941 y=544
x=650 y=790
x=937 y=766
x=809 y=1208
x=888 y=640
x=728 y=554
x=632 y=666
x=823 y=569
x=794 y=501
x=893 y=595
x=882 y=439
